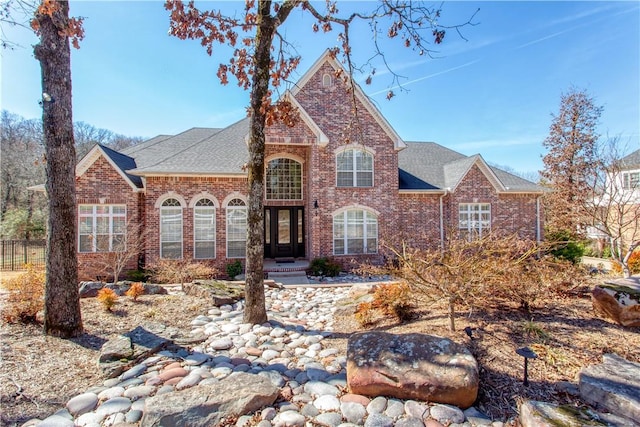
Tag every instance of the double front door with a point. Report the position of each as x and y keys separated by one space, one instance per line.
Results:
x=283 y=232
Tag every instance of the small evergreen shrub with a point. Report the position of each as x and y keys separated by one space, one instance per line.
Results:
x=234 y=268
x=107 y=298
x=324 y=267
x=135 y=291
x=565 y=246
x=26 y=296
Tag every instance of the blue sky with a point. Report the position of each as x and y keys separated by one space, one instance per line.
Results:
x=492 y=94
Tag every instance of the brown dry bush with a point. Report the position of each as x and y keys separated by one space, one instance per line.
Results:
x=181 y=271
x=135 y=291
x=26 y=296
x=389 y=300
x=107 y=298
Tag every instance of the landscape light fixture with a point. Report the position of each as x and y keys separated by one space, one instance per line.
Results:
x=527 y=353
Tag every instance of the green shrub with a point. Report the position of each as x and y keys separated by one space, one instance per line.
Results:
x=138 y=275
x=324 y=267
x=565 y=245
x=234 y=268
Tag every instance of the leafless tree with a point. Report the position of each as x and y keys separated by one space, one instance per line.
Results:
x=613 y=203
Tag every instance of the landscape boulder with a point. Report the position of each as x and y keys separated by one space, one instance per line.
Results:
x=412 y=366
x=618 y=302
x=613 y=385
x=543 y=414
x=90 y=289
x=121 y=351
x=218 y=292
x=206 y=405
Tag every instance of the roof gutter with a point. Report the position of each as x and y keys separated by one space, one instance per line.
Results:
x=442 y=218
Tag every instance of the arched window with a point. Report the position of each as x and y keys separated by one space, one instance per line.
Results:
x=326 y=80
x=283 y=180
x=236 y=228
x=171 y=229
x=354 y=168
x=355 y=231
x=204 y=229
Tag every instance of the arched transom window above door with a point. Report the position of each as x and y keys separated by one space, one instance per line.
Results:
x=283 y=179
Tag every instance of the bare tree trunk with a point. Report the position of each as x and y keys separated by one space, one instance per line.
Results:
x=255 y=310
x=62 y=303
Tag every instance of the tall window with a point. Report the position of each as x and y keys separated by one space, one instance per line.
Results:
x=474 y=219
x=101 y=228
x=284 y=180
x=204 y=229
x=355 y=169
x=355 y=232
x=171 y=229
x=630 y=180
x=236 y=229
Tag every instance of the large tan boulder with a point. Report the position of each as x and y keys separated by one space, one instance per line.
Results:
x=412 y=366
x=618 y=302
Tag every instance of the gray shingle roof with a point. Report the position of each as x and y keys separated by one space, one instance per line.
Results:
x=429 y=166
x=196 y=151
x=631 y=160
x=204 y=151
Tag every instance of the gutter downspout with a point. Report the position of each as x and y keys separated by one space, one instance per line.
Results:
x=446 y=191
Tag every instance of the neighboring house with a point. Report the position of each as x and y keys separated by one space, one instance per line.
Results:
x=618 y=217
x=335 y=185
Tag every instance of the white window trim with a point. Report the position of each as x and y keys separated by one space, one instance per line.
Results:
x=94 y=224
x=345 y=238
x=470 y=226
x=181 y=202
x=626 y=179
x=354 y=171
x=227 y=216
x=195 y=208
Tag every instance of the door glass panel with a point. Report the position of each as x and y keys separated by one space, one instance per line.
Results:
x=300 y=233
x=267 y=226
x=284 y=226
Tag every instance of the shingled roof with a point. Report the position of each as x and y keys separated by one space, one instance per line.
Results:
x=429 y=166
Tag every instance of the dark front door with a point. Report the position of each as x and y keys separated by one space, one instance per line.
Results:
x=283 y=232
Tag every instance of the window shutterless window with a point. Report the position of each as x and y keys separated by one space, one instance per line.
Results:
x=474 y=219
x=171 y=229
x=101 y=228
x=354 y=169
x=204 y=229
x=236 y=229
x=355 y=232
x=283 y=180
x=630 y=180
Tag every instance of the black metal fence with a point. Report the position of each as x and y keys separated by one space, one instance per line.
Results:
x=17 y=253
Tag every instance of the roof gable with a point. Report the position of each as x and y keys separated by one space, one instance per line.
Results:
x=427 y=166
x=120 y=162
x=327 y=58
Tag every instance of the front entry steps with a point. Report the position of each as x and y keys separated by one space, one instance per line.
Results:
x=288 y=272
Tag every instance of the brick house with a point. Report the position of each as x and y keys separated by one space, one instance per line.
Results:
x=336 y=184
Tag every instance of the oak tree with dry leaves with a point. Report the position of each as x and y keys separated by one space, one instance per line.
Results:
x=262 y=61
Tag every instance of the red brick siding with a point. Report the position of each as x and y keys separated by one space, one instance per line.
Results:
x=331 y=108
x=102 y=184
x=187 y=188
